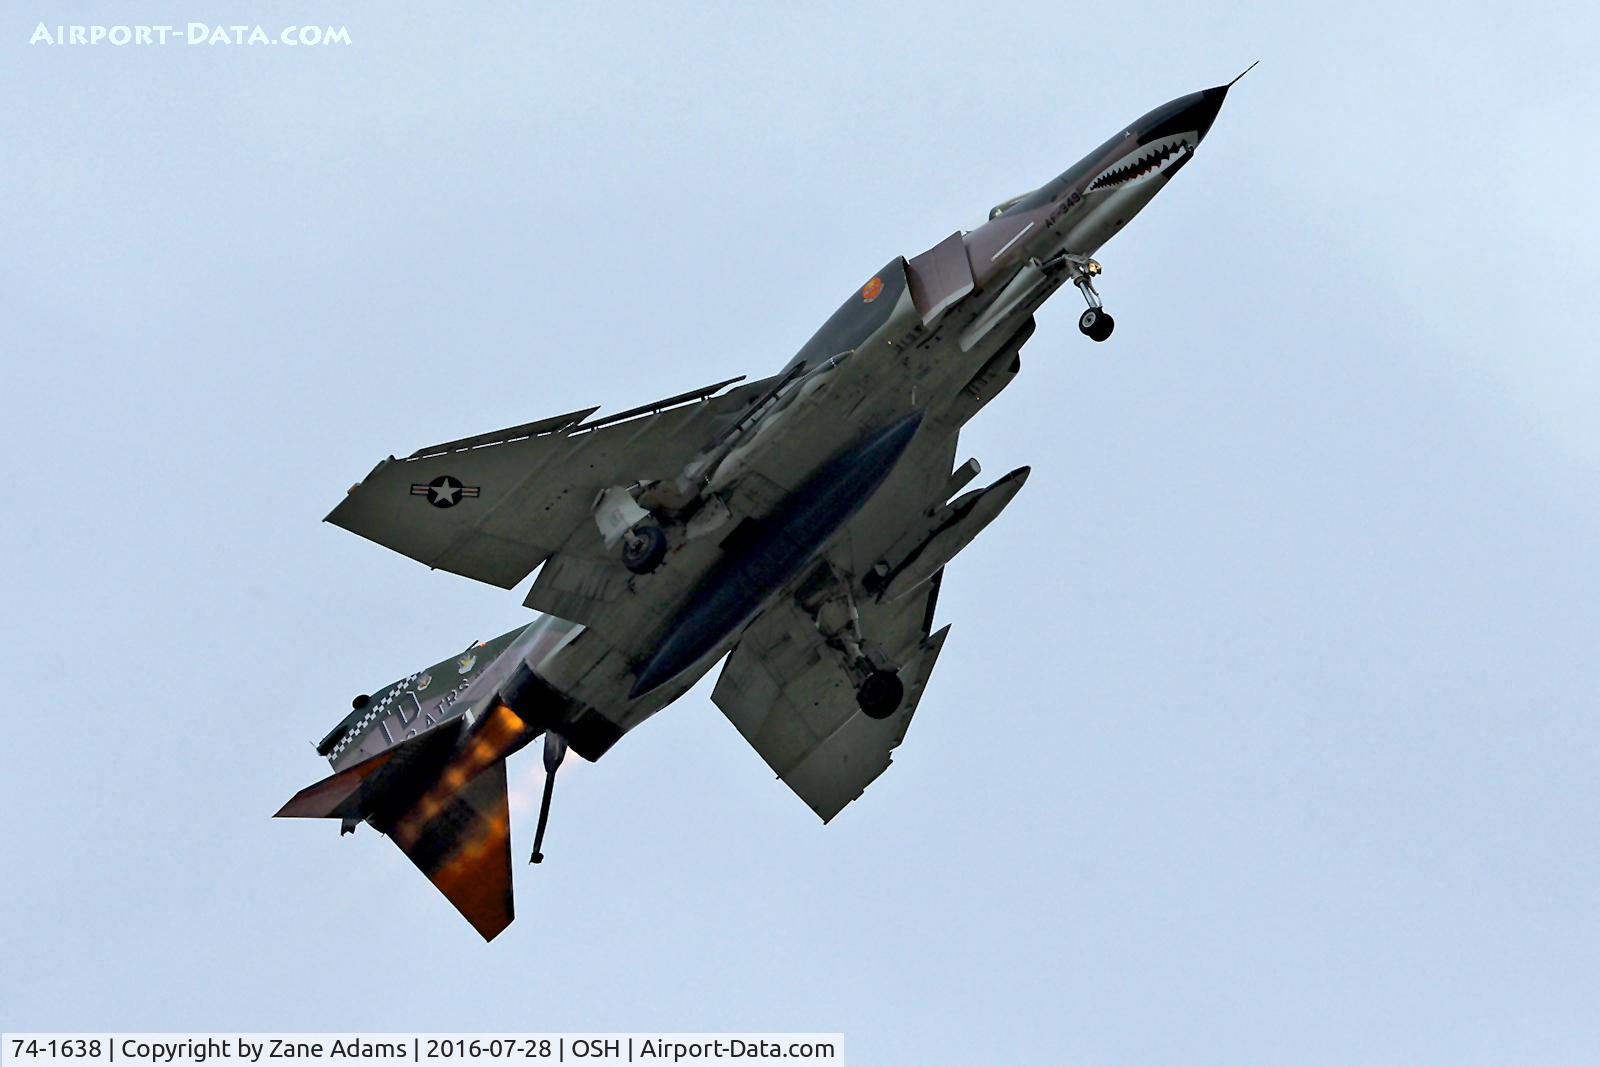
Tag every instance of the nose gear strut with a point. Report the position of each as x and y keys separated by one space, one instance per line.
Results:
x=1095 y=323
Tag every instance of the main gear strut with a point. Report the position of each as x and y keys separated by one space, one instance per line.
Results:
x=832 y=606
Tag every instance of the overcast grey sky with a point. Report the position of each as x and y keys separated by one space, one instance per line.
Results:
x=1267 y=730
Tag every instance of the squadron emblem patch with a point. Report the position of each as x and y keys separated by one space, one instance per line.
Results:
x=444 y=491
x=870 y=291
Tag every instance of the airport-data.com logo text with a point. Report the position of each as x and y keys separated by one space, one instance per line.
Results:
x=192 y=33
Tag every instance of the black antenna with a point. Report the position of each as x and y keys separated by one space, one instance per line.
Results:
x=1242 y=73
x=555 y=750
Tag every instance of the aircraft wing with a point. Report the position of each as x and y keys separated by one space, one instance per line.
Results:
x=494 y=506
x=790 y=697
x=788 y=692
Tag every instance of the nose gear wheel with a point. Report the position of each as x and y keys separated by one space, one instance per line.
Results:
x=1094 y=323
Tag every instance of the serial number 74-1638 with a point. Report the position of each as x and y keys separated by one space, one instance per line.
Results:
x=67 y=1048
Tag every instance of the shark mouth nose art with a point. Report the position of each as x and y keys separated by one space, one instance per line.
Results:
x=1149 y=160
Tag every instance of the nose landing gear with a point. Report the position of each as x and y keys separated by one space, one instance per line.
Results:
x=1094 y=323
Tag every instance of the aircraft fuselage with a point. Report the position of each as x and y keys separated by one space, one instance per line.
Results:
x=899 y=352
x=824 y=499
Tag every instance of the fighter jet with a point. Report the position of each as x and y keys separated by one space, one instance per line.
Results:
x=794 y=529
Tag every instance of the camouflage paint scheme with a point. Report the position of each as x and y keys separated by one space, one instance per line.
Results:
x=806 y=521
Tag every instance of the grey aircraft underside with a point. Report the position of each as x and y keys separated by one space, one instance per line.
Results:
x=798 y=526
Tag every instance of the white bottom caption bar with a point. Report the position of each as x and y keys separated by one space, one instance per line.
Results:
x=413 y=1050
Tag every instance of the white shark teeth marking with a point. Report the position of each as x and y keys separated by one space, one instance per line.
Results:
x=1151 y=162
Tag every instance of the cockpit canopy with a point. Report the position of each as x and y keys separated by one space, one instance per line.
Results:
x=1006 y=205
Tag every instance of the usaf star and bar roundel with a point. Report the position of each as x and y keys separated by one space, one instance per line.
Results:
x=444 y=491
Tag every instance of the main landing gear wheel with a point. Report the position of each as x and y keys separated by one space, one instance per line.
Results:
x=644 y=548
x=1095 y=324
x=880 y=695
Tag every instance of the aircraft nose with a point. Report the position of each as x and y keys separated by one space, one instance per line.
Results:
x=1203 y=112
x=1195 y=112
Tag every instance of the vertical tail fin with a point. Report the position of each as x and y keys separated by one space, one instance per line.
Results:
x=465 y=850
x=442 y=797
x=458 y=831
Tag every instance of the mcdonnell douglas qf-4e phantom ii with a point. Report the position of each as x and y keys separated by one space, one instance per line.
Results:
x=799 y=526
